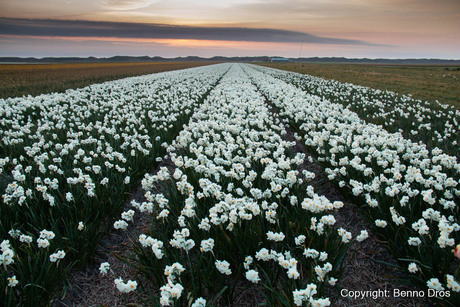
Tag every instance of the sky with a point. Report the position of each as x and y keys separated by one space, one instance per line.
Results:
x=289 y=28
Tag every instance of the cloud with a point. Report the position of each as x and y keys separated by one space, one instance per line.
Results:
x=128 y=4
x=84 y=28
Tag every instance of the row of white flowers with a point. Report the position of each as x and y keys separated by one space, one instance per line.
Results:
x=67 y=161
x=411 y=192
x=238 y=202
x=435 y=124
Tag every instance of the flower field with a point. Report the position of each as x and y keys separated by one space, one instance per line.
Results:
x=235 y=209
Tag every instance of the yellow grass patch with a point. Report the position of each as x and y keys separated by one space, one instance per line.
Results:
x=424 y=82
x=34 y=79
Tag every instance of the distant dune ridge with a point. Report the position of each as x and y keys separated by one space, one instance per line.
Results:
x=226 y=59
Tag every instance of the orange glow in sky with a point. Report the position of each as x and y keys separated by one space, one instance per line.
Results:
x=386 y=28
x=178 y=43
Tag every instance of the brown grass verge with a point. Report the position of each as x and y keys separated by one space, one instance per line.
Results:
x=34 y=79
x=424 y=82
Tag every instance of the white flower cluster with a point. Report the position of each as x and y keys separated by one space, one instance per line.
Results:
x=45 y=236
x=307 y=295
x=223 y=266
x=57 y=256
x=125 y=287
x=180 y=240
x=172 y=290
x=7 y=253
x=156 y=245
x=6 y=258
x=104 y=268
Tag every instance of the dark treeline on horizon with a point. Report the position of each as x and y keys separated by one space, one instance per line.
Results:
x=224 y=59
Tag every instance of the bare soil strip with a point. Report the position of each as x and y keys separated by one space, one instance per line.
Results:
x=17 y=80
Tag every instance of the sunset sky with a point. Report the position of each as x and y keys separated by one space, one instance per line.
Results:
x=290 y=28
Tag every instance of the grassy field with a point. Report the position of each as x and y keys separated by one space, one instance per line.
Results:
x=33 y=79
x=440 y=83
